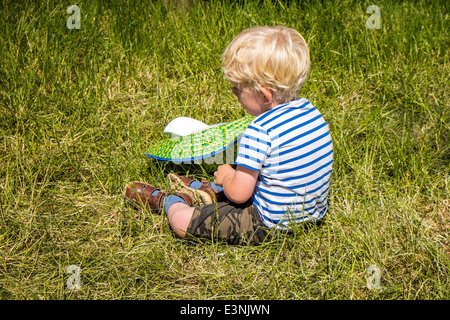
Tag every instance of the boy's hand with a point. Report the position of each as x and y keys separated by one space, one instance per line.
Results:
x=238 y=184
x=223 y=172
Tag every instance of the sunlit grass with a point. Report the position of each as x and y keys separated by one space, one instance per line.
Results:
x=78 y=108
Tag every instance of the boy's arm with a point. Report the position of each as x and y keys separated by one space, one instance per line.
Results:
x=238 y=184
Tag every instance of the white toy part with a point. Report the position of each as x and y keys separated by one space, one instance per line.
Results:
x=183 y=126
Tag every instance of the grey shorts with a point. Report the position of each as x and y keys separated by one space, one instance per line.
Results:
x=230 y=222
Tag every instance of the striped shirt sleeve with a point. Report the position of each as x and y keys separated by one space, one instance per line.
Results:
x=254 y=146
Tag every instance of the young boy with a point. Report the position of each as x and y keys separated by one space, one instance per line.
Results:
x=285 y=156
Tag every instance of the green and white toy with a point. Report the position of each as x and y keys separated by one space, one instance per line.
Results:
x=193 y=141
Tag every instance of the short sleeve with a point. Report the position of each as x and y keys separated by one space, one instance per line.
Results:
x=254 y=147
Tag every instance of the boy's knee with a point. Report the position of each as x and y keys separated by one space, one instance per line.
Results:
x=179 y=218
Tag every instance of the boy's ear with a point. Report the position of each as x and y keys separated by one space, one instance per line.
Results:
x=268 y=94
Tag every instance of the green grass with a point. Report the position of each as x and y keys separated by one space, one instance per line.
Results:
x=78 y=108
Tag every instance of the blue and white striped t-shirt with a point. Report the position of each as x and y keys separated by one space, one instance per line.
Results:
x=291 y=147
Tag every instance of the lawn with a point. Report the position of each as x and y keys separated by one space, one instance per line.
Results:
x=79 y=108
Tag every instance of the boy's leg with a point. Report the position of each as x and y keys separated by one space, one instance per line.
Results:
x=144 y=194
x=176 y=206
x=233 y=223
x=179 y=215
x=226 y=221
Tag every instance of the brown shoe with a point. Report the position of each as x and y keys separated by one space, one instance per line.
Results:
x=202 y=196
x=140 y=193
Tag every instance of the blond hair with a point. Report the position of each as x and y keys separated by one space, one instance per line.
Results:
x=273 y=57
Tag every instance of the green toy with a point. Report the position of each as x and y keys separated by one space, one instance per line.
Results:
x=199 y=145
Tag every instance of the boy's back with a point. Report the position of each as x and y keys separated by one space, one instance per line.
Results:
x=291 y=147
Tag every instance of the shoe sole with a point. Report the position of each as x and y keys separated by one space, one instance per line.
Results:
x=200 y=198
